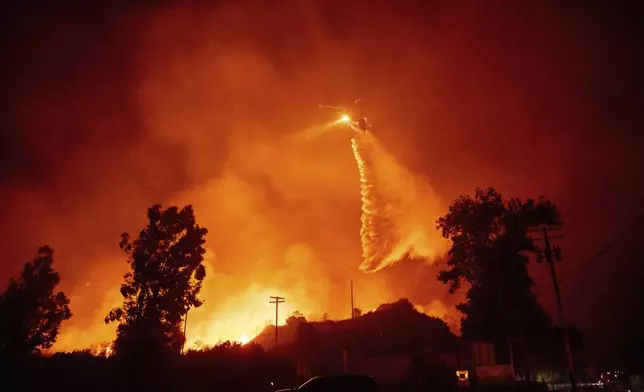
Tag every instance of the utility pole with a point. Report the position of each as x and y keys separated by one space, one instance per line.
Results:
x=277 y=301
x=353 y=311
x=548 y=253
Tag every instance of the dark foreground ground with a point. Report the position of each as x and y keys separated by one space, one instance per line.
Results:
x=196 y=372
x=73 y=372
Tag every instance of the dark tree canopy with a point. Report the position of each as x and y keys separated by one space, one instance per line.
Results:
x=295 y=318
x=165 y=278
x=490 y=249
x=31 y=312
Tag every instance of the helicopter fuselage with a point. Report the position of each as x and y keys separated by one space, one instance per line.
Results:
x=361 y=125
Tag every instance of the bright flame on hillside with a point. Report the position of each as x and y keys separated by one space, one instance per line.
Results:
x=246 y=309
x=237 y=293
x=258 y=196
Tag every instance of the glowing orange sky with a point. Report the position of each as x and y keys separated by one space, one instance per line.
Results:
x=217 y=106
x=287 y=235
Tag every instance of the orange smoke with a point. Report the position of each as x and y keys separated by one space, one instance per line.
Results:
x=229 y=132
x=191 y=104
x=271 y=233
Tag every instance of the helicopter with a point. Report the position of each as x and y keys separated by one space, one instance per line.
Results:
x=353 y=118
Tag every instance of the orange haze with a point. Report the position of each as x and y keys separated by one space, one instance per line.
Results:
x=277 y=188
x=216 y=105
x=284 y=219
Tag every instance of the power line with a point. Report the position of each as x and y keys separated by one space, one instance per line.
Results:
x=596 y=256
x=601 y=290
x=639 y=220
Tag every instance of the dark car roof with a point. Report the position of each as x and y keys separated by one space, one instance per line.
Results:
x=347 y=376
x=352 y=382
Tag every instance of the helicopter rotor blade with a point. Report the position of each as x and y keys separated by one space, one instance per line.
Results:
x=330 y=107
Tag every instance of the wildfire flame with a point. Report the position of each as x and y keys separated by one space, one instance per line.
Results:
x=398 y=213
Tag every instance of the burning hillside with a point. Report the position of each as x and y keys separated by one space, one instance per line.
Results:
x=214 y=118
x=389 y=328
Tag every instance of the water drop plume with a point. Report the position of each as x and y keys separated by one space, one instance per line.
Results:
x=398 y=209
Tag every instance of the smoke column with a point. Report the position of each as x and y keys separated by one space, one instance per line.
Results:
x=377 y=231
x=397 y=209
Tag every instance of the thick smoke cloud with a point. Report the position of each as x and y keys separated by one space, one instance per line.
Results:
x=126 y=106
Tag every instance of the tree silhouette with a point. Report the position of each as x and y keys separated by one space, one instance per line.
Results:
x=165 y=279
x=295 y=319
x=30 y=311
x=490 y=248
